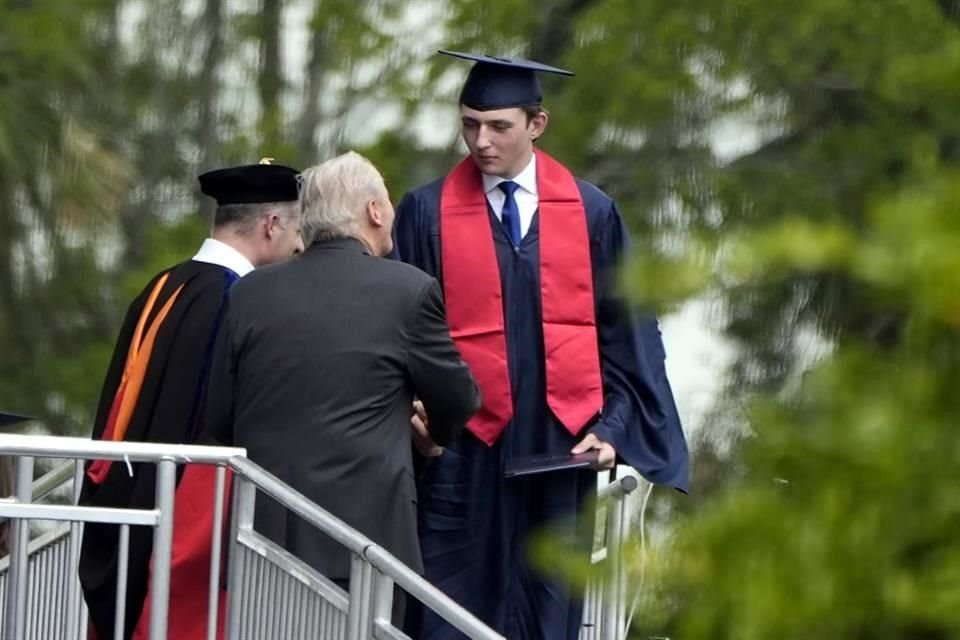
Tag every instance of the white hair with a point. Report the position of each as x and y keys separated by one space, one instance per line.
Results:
x=334 y=196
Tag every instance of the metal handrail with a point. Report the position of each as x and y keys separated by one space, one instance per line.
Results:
x=614 y=587
x=376 y=581
x=27 y=448
x=618 y=488
x=386 y=563
x=48 y=483
x=299 y=504
x=52 y=480
x=44 y=539
x=415 y=585
x=378 y=572
x=359 y=544
x=86 y=449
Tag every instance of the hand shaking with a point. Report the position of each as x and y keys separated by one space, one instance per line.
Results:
x=421 y=437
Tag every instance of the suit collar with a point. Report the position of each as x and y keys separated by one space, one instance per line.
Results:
x=345 y=244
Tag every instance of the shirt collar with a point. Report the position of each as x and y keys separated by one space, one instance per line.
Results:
x=527 y=179
x=220 y=253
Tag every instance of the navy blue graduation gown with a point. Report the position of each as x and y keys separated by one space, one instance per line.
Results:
x=475 y=524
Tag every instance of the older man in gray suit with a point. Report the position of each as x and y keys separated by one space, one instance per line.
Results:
x=318 y=365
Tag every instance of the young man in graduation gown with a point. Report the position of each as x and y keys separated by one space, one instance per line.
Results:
x=155 y=385
x=527 y=255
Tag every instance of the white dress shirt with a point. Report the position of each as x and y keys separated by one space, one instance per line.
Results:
x=219 y=253
x=526 y=196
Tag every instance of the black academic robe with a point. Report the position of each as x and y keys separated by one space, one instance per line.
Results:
x=165 y=411
x=475 y=524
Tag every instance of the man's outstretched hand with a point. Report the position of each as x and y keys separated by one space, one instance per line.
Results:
x=421 y=437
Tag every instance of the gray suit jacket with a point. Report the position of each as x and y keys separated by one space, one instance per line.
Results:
x=316 y=366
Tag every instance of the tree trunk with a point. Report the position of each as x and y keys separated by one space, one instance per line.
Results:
x=164 y=115
x=554 y=32
x=270 y=82
x=315 y=71
x=207 y=94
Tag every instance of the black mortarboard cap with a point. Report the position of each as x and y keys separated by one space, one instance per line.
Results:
x=502 y=83
x=251 y=183
x=7 y=419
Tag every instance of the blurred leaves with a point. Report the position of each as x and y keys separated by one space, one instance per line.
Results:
x=844 y=523
x=844 y=526
x=109 y=109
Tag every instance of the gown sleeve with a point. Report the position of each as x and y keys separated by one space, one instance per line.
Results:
x=639 y=415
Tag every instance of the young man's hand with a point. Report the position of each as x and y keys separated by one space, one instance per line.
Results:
x=607 y=455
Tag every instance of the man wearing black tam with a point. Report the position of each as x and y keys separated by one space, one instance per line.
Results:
x=155 y=384
x=526 y=254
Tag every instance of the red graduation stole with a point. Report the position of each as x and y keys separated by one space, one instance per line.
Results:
x=474 y=301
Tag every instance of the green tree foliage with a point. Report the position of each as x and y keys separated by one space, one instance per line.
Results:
x=843 y=525
x=60 y=184
x=109 y=109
